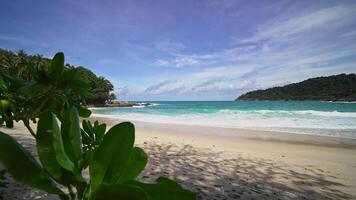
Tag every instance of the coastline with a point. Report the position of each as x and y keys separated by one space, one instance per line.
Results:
x=226 y=163
x=331 y=158
x=227 y=131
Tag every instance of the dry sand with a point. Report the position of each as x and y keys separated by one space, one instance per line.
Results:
x=221 y=163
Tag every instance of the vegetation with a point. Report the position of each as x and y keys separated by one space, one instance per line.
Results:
x=54 y=96
x=340 y=87
x=24 y=64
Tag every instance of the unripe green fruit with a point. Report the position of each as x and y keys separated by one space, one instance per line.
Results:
x=4 y=104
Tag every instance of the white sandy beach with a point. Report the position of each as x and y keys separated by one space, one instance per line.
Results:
x=221 y=163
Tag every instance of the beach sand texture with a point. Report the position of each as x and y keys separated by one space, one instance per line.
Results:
x=220 y=163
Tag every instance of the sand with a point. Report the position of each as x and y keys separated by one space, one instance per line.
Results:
x=222 y=163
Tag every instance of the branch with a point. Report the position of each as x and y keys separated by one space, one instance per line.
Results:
x=27 y=124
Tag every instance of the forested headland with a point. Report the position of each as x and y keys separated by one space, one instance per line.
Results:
x=340 y=87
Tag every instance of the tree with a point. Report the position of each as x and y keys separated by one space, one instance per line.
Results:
x=23 y=65
x=66 y=149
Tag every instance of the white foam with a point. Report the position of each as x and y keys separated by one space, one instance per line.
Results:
x=140 y=106
x=286 y=112
x=241 y=120
x=303 y=121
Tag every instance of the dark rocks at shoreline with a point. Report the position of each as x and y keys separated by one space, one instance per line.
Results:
x=121 y=104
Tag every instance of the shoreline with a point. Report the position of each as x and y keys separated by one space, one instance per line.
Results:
x=248 y=165
x=317 y=160
x=231 y=132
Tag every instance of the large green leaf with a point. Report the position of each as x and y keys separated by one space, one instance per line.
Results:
x=68 y=76
x=78 y=85
x=50 y=126
x=83 y=112
x=164 y=189
x=71 y=135
x=167 y=181
x=109 y=158
x=134 y=165
x=23 y=167
x=45 y=149
x=118 y=192
x=57 y=65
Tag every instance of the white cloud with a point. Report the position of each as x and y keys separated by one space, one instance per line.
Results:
x=283 y=50
x=286 y=28
x=169 y=46
x=178 y=62
x=222 y=85
x=165 y=87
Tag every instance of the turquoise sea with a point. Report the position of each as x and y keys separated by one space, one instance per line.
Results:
x=305 y=117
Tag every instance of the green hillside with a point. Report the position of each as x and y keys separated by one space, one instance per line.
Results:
x=340 y=87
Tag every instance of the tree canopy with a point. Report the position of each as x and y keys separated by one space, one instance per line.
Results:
x=340 y=87
x=22 y=63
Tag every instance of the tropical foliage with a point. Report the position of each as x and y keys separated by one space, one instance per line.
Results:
x=54 y=95
x=24 y=65
x=340 y=87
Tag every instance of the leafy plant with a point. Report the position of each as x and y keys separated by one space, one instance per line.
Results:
x=92 y=135
x=66 y=150
x=25 y=65
x=53 y=88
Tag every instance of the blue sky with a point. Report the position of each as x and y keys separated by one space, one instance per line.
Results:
x=188 y=50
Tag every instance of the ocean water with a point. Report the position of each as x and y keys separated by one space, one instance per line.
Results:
x=305 y=117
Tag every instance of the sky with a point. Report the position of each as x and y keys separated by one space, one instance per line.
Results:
x=188 y=50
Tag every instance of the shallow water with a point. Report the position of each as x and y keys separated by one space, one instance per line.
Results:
x=307 y=117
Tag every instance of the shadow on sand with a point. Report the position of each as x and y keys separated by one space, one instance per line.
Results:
x=213 y=177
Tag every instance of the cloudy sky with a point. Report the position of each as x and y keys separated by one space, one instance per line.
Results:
x=188 y=50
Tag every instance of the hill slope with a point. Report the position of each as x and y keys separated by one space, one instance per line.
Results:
x=340 y=87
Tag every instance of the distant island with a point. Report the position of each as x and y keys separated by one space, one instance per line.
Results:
x=340 y=87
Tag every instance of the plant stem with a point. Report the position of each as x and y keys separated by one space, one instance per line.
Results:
x=27 y=124
x=71 y=193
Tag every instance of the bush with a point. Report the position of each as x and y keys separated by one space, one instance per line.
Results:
x=65 y=150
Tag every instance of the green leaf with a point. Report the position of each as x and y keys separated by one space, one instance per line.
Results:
x=2 y=83
x=48 y=124
x=167 y=181
x=33 y=89
x=68 y=76
x=109 y=158
x=46 y=150
x=164 y=189
x=83 y=112
x=57 y=65
x=23 y=167
x=85 y=137
x=134 y=165
x=88 y=128
x=79 y=85
x=118 y=192
x=71 y=135
x=99 y=131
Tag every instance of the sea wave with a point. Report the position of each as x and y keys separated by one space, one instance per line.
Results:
x=291 y=113
x=139 y=106
x=242 y=120
x=334 y=121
